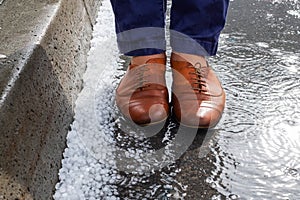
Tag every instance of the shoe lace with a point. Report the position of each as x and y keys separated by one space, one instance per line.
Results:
x=141 y=77
x=198 y=81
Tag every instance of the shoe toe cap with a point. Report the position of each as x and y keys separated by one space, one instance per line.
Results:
x=204 y=117
x=148 y=114
x=208 y=117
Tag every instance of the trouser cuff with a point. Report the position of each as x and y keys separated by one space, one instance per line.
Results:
x=142 y=41
x=185 y=44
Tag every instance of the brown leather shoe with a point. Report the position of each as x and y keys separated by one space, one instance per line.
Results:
x=197 y=95
x=142 y=95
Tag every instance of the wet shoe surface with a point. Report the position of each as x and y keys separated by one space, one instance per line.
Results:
x=198 y=98
x=142 y=95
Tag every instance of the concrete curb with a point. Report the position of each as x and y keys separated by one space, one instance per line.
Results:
x=45 y=46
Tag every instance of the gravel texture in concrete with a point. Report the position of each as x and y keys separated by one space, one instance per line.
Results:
x=43 y=50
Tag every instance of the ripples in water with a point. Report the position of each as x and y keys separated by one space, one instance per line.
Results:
x=252 y=154
x=258 y=147
x=255 y=149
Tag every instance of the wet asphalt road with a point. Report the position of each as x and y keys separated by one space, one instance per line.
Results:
x=253 y=153
x=247 y=156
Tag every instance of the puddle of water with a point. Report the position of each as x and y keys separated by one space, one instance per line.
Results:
x=259 y=144
x=252 y=154
x=258 y=148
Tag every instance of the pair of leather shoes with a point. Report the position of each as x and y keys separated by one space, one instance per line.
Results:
x=198 y=98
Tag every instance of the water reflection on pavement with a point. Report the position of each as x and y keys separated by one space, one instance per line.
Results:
x=258 y=145
x=253 y=153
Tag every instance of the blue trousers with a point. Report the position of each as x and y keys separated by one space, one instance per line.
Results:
x=195 y=26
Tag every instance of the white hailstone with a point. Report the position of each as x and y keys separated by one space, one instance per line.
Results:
x=62 y=189
x=113 y=198
x=105 y=189
x=111 y=162
x=64 y=195
x=97 y=191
